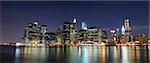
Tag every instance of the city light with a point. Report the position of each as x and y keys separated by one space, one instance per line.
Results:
x=37 y=35
x=74 y=32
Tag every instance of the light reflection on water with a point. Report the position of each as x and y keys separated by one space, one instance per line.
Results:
x=82 y=54
x=17 y=55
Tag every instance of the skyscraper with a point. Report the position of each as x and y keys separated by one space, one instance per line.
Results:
x=93 y=34
x=127 y=29
x=66 y=32
x=59 y=34
x=43 y=31
x=69 y=31
x=73 y=30
x=35 y=33
x=83 y=26
x=123 y=30
x=82 y=36
x=51 y=38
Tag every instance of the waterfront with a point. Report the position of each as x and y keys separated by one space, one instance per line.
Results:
x=75 y=54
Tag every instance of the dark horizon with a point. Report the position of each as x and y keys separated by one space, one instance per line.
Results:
x=102 y=14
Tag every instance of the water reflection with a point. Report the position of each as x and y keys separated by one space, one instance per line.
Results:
x=124 y=54
x=82 y=54
x=17 y=55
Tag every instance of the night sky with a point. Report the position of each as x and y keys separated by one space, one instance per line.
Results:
x=15 y=16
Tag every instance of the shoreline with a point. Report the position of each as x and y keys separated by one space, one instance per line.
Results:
x=72 y=46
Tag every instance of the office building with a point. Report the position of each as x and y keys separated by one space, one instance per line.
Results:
x=84 y=26
x=51 y=38
x=82 y=36
x=127 y=29
x=69 y=32
x=35 y=33
x=93 y=35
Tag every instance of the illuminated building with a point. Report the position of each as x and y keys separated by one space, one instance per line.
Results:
x=34 y=33
x=66 y=32
x=43 y=31
x=116 y=36
x=142 y=38
x=59 y=34
x=82 y=33
x=83 y=26
x=82 y=36
x=122 y=30
x=93 y=35
x=50 y=37
x=69 y=32
x=113 y=31
x=127 y=29
x=73 y=31
x=104 y=37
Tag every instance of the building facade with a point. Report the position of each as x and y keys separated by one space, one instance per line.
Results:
x=69 y=32
x=82 y=36
x=127 y=30
x=93 y=35
x=51 y=38
x=35 y=33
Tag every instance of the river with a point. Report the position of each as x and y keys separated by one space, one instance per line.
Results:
x=75 y=54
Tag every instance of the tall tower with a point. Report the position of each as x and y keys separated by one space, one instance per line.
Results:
x=122 y=30
x=127 y=29
x=74 y=20
x=66 y=32
x=43 y=31
x=59 y=34
x=83 y=26
x=26 y=35
x=73 y=30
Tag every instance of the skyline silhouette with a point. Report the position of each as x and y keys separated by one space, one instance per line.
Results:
x=15 y=15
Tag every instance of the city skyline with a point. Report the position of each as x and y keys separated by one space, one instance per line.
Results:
x=54 y=14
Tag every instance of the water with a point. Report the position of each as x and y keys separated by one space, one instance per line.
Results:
x=82 y=54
